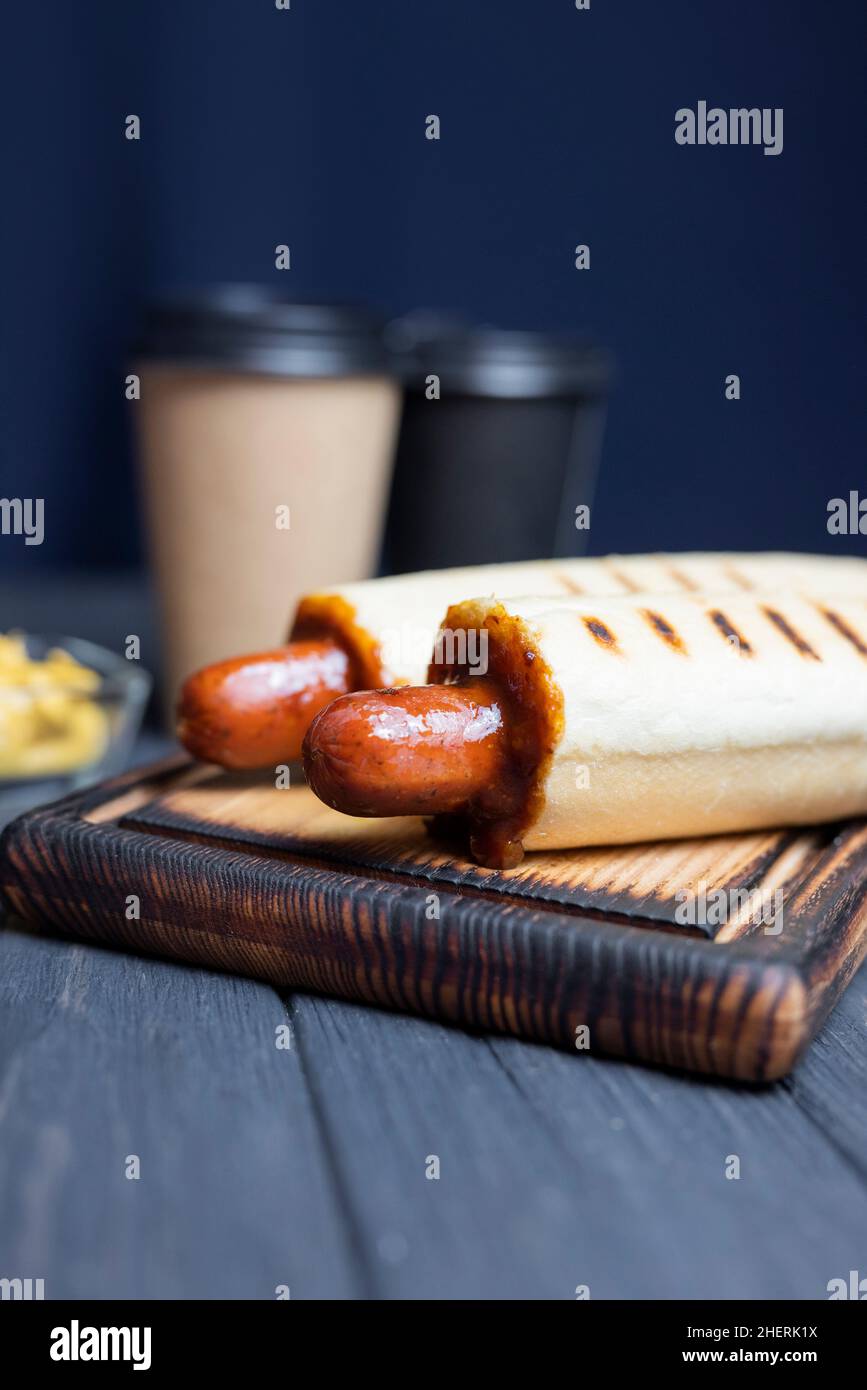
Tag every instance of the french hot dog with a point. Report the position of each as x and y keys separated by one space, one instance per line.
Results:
x=411 y=750
x=620 y=720
x=253 y=711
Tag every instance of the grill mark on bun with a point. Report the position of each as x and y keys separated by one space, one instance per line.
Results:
x=569 y=584
x=663 y=629
x=738 y=578
x=840 y=625
x=683 y=580
x=602 y=634
x=798 y=642
x=628 y=584
x=729 y=631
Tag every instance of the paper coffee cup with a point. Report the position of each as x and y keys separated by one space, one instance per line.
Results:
x=499 y=444
x=266 y=435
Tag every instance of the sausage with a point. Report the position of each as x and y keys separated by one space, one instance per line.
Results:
x=253 y=711
x=413 y=750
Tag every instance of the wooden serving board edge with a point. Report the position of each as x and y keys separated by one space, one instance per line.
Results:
x=743 y=1010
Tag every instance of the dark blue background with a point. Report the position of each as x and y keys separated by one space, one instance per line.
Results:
x=262 y=126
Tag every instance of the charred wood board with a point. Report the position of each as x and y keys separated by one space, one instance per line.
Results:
x=581 y=949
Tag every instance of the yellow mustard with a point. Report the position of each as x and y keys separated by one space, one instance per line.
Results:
x=49 y=722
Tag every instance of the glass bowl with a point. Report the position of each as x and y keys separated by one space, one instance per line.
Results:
x=69 y=723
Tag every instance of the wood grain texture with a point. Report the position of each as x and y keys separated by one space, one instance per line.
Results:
x=494 y=958
x=629 y=881
x=104 y=1055
x=554 y=1174
x=830 y=1085
x=312 y=1162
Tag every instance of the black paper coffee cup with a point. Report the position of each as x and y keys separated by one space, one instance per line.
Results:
x=499 y=445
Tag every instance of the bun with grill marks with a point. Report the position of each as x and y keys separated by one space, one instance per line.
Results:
x=663 y=716
x=386 y=626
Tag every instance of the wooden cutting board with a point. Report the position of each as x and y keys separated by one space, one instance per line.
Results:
x=579 y=949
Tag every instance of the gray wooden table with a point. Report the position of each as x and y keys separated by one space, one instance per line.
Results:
x=305 y=1166
x=263 y=1167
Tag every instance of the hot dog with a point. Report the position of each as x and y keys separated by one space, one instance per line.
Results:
x=621 y=720
x=253 y=711
x=413 y=750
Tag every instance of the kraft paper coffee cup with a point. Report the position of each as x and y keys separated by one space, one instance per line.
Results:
x=499 y=444
x=266 y=440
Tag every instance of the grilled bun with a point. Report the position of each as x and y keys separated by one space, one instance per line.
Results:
x=680 y=715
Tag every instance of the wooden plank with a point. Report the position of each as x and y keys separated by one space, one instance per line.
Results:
x=549 y=1163
x=106 y=1055
x=642 y=993
x=742 y=1004
x=830 y=1085
x=558 y=1171
x=629 y=881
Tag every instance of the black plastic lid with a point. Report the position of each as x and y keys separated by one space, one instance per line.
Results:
x=248 y=328
x=497 y=361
